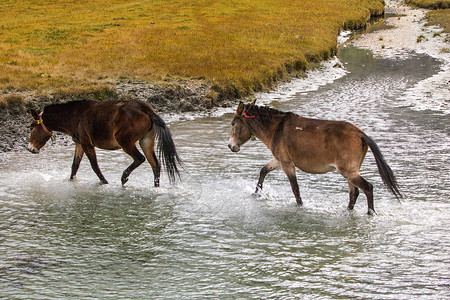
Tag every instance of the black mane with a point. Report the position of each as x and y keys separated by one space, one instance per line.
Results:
x=263 y=113
x=65 y=107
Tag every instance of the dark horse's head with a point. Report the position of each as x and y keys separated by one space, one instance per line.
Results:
x=39 y=133
x=240 y=131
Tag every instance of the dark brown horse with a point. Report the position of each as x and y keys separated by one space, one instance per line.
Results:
x=313 y=146
x=108 y=125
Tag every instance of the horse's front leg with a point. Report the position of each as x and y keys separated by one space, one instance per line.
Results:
x=289 y=170
x=90 y=153
x=76 y=160
x=272 y=165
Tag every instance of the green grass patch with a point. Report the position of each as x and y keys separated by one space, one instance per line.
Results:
x=440 y=17
x=236 y=46
x=430 y=4
x=421 y=38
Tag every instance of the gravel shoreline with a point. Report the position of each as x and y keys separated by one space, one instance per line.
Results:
x=408 y=34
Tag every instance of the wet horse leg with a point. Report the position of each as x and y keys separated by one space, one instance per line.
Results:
x=90 y=153
x=359 y=182
x=272 y=165
x=138 y=159
x=354 y=192
x=289 y=170
x=147 y=144
x=76 y=160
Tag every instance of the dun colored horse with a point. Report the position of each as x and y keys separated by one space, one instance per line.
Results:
x=312 y=145
x=108 y=125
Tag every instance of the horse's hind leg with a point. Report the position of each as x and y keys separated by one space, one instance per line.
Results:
x=76 y=160
x=272 y=165
x=289 y=170
x=90 y=153
x=147 y=144
x=138 y=159
x=359 y=182
x=354 y=192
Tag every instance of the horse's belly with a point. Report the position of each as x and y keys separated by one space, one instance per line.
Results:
x=107 y=145
x=314 y=168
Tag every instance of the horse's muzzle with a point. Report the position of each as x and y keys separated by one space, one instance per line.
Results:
x=33 y=149
x=234 y=148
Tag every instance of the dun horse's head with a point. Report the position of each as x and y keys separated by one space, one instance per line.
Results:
x=39 y=133
x=240 y=131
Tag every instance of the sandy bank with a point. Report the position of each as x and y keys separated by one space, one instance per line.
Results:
x=409 y=36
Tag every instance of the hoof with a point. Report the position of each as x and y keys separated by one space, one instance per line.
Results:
x=104 y=181
x=124 y=180
x=372 y=212
x=258 y=188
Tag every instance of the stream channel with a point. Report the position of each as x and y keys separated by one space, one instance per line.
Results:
x=209 y=236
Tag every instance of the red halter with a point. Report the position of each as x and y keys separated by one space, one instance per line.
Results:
x=247 y=116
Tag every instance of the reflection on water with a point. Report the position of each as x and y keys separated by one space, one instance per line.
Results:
x=209 y=236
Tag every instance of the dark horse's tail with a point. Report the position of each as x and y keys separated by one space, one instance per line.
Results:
x=383 y=168
x=166 y=148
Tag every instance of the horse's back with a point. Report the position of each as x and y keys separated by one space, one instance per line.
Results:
x=108 y=124
x=319 y=146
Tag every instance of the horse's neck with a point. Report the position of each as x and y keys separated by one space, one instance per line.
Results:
x=265 y=131
x=63 y=121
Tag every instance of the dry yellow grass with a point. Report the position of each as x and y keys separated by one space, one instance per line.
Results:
x=431 y=4
x=248 y=45
x=440 y=17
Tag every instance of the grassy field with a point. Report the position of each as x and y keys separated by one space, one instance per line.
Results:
x=430 y=4
x=235 y=46
x=440 y=17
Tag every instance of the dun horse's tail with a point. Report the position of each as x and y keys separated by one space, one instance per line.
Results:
x=166 y=148
x=383 y=168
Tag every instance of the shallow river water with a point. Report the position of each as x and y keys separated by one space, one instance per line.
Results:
x=210 y=237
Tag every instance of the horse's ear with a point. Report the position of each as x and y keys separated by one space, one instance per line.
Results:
x=253 y=103
x=34 y=114
x=240 y=108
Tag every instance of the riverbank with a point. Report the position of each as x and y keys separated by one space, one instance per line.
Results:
x=410 y=32
x=182 y=56
x=177 y=95
x=235 y=48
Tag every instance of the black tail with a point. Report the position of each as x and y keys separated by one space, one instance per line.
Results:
x=166 y=148
x=383 y=168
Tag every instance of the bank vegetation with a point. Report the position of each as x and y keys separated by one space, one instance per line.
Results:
x=234 y=47
x=430 y=4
